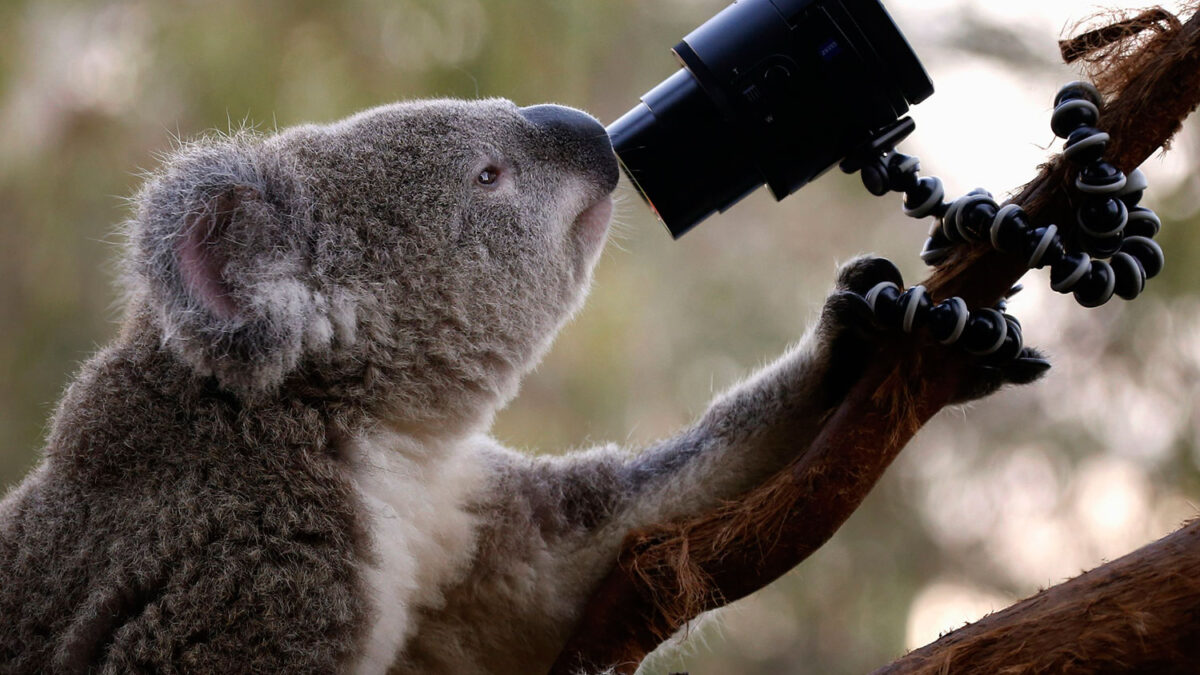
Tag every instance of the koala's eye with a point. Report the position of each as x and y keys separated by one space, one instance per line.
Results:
x=488 y=176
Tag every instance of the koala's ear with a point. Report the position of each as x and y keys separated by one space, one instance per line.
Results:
x=202 y=249
x=219 y=243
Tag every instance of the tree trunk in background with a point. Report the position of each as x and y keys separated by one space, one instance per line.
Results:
x=1139 y=613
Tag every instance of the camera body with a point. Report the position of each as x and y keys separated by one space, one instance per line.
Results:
x=771 y=91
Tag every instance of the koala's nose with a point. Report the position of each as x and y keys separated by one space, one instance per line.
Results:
x=564 y=120
x=583 y=135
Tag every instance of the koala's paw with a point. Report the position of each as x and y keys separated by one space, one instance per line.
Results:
x=848 y=324
x=861 y=274
x=846 y=309
x=854 y=336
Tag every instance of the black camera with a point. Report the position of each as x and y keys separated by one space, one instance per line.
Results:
x=771 y=91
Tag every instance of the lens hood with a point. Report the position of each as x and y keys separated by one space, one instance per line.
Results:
x=771 y=92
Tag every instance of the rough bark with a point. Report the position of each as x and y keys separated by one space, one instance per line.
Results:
x=1137 y=614
x=669 y=574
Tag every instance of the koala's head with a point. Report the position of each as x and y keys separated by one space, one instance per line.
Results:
x=417 y=257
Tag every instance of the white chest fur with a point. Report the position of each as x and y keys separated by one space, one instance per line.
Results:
x=416 y=496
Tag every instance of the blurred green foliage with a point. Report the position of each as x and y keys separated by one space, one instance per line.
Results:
x=1021 y=491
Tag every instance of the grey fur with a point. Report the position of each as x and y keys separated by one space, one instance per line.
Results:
x=204 y=502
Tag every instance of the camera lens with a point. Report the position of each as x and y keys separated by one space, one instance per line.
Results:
x=771 y=91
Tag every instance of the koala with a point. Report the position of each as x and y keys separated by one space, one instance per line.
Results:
x=282 y=462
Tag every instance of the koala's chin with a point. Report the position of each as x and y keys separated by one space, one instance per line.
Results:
x=591 y=225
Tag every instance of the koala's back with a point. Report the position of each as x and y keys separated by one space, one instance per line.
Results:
x=164 y=538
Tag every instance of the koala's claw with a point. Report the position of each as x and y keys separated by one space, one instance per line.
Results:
x=1027 y=367
x=985 y=379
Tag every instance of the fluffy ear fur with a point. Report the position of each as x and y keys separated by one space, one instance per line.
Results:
x=202 y=253
x=220 y=245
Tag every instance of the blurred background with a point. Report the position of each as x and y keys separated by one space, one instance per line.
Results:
x=986 y=506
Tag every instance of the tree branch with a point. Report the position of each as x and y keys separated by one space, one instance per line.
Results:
x=668 y=575
x=1138 y=613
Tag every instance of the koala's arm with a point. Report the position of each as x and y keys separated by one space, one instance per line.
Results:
x=759 y=426
x=555 y=523
x=747 y=434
